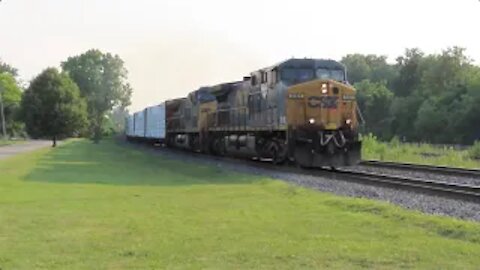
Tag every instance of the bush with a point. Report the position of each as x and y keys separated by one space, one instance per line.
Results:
x=395 y=142
x=17 y=130
x=372 y=148
x=474 y=151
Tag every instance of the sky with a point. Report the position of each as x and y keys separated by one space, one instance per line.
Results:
x=173 y=47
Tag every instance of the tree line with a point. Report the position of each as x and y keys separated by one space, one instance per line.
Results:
x=421 y=97
x=87 y=97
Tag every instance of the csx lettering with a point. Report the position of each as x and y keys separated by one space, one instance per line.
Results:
x=327 y=102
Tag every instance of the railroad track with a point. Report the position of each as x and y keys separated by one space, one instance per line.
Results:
x=457 y=191
x=424 y=186
x=423 y=168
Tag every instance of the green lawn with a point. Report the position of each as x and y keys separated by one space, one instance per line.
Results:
x=86 y=206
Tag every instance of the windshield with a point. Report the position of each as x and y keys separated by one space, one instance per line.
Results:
x=333 y=74
x=297 y=74
x=205 y=96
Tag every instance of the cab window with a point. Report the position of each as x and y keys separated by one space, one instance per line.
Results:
x=254 y=80
x=272 y=79
x=333 y=74
x=264 y=77
x=297 y=75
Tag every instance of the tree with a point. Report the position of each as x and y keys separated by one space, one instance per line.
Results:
x=369 y=67
x=463 y=120
x=431 y=124
x=10 y=96
x=4 y=67
x=357 y=67
x=435 y=96
x=380 y=70
x=101 y=78
x=118 y=117
x=410 y=73
x=403 y=112
x=374 y=100
x=444 y=72
x=52 y=106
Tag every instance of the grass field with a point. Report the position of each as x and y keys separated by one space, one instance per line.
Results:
x=418 y=153
x=86 y=206
x=4 y=142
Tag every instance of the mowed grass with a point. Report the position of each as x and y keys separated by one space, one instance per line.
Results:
x=107 y=206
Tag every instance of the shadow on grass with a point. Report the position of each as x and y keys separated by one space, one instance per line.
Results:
x=114 y=164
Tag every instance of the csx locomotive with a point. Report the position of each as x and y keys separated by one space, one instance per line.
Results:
x=300 y=110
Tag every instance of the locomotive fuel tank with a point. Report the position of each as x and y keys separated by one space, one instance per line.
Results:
x=241 y=145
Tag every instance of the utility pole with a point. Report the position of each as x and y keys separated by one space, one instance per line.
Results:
x=2 y=115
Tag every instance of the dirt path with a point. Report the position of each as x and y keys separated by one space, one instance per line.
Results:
x=11 y=150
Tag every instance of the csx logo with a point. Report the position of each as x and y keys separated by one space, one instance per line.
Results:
x=327 y=102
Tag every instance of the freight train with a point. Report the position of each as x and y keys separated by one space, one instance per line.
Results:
x=300 y=110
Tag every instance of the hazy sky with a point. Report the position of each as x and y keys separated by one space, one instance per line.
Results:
x=173 y=47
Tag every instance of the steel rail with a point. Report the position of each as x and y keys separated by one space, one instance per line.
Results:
x=458 y=191
x=423 y=168
x=424 y=186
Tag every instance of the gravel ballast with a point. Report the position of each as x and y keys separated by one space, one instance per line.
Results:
x=408 y=199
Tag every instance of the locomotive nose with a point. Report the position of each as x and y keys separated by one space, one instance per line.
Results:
x=320 y=104
x=321 y=115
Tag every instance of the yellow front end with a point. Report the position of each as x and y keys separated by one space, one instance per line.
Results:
x=322 y=122
x=328 y=104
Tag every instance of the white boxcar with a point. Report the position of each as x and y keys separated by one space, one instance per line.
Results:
x=139 y=124
x=155 y=122
x=129 y=126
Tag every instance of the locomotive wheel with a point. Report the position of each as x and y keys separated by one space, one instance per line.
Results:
x=195 y=144
x=303 y=155
x=219 y=147
x=273 y=152
x=276 y=152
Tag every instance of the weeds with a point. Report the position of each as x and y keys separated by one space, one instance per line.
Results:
x=474 y=151
x=396 y=151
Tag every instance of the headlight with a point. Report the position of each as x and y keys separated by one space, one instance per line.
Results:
x=348 y=121
x=324 y=88
x=311 y=121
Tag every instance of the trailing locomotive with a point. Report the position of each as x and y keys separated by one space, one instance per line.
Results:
x=300 y=110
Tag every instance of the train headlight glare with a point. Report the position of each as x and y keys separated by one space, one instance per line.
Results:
x=324 y=88
x=311 y=121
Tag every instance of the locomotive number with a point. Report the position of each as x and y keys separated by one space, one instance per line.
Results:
x=295 y=95
x=327 y=102
x=348 y=97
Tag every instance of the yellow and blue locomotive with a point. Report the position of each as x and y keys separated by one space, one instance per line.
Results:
x=300 y=110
